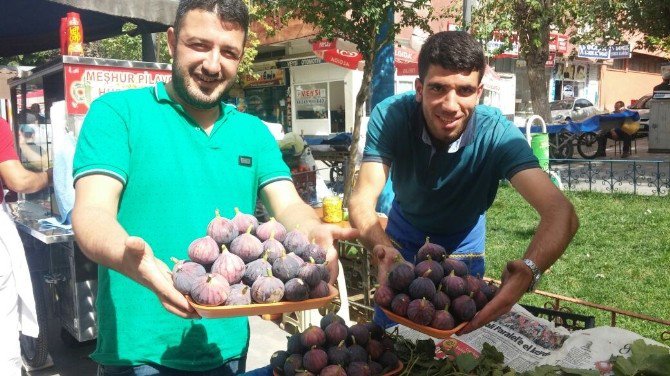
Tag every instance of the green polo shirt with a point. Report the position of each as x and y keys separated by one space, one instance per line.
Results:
x=174 y=177
x=444 y=191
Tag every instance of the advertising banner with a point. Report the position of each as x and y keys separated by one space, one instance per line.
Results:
x=85 y=83
x=267 y=77
x=619 y=51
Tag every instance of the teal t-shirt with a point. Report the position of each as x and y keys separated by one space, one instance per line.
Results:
x=443 y=192
x=175 y=176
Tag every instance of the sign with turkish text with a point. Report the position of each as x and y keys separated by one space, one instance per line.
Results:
x=406 y=61
x=311 y=96
x=558 y=42
x=267 y=77
x=619 y=51
x=299 y=62
x=85 y=83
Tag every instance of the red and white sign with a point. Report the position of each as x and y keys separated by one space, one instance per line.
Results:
x=558 y=42
x=343 y=58
x=406 y=61
x=85 y=83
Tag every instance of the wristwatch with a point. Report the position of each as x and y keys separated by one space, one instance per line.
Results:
x=537 y=274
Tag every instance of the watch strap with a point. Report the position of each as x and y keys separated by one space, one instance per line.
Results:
x=536 y=273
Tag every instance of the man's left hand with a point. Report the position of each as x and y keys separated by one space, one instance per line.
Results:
x=515 y=281
x=326 y=236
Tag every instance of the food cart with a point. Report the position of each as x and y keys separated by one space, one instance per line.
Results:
x=58 y=94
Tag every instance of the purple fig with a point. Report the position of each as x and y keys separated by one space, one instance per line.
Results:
x=400 y=303
x=383 y=296
x=443 y=320
x=441 y=300
x=454 y=286
x=229 y=265
x=264 y=231
x=185 y=273
x=430 y=250
x=221 y=229
x=388 y=360
x=336 y=332
x=320 y=291
x=401 y=275
x=333 y=370
x=357 y=353
x=315 y=360
x=203 y=250
x=330 y=318
x=314 y=251
x=210 y=290
x=240 y=294
x=254 y=270
x=295 y=240
x=277 y=361
x=285 y=268
x=375 y=349
x=242 y=221
x=310 y=273
x=247 y=247
x=463 y=308
x=296 y=290
x=273 y=248
x=459 y=268
x=267 y=289
x=359 y=334
x=359 y=368
x=422 y=288
x=313 y=336
x=430 y=269
x=421 y=311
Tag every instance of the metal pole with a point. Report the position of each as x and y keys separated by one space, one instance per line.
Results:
x=467 y=13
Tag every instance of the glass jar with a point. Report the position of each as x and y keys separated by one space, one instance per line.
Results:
x=332 y=209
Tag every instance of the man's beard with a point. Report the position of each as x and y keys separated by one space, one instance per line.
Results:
x=189 y=92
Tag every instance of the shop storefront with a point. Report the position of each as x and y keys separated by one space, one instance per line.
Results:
x=267 y=96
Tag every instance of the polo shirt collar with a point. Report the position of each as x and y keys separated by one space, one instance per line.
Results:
x=466 y=138
x=161 y=94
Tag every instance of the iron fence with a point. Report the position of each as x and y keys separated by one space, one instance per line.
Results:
x=641 y=177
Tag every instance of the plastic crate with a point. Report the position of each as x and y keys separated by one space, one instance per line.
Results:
x=571 y=321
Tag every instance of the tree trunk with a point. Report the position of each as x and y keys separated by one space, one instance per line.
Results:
x=538 y=88
x=361 y=97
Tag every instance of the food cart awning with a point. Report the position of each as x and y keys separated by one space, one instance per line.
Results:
x=33 y=25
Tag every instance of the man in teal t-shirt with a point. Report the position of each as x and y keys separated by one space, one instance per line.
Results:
x=151 y=167
x=447 y=155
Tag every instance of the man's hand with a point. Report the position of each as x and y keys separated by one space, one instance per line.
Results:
x=386 y=256
x=326 y=236
x=515 y=281
x=139 y=263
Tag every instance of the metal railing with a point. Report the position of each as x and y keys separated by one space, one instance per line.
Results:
x=641 y=177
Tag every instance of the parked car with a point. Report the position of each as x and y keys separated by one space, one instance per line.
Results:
x=642 y=106
x=572 y=109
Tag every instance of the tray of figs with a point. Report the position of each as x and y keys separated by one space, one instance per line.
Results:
x=437 y=296
x=333 y=349
x=245 y=268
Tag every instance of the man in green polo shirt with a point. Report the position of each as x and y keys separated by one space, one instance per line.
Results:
x=447 y=156
x=152 y=165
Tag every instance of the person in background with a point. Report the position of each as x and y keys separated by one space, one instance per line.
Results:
x=17 y=303
x=447 y=156
x=665 y=85
x=618 y=133
x=151 y=167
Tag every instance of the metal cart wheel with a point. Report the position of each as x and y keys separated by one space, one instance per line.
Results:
x=587 y=145
x=35 y=351
x=561 y=147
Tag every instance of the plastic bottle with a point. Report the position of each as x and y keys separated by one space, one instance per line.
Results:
x=75 y=33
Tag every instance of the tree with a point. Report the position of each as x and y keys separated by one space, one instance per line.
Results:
x=593 y=21
x=359 y=22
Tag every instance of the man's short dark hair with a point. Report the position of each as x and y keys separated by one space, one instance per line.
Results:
x=453 y=50
x=235 y=11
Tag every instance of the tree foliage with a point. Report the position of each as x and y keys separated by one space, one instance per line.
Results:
x=594 y=21
x=359 y=22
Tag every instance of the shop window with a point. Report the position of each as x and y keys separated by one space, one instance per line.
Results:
x=311 y=101
x=619 y=64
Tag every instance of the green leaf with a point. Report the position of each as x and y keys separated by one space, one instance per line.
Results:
x=466 y=362
x=426 y=348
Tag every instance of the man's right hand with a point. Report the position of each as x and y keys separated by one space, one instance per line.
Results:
x=386 y=256
x=139 y=263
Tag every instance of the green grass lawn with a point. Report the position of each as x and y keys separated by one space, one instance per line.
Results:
x=620 y=256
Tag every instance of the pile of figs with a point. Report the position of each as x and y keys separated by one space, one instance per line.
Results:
x=335 y=349
x=241 y=261
x=437 y=291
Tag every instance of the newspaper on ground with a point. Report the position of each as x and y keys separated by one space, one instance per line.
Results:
x=528 y=341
